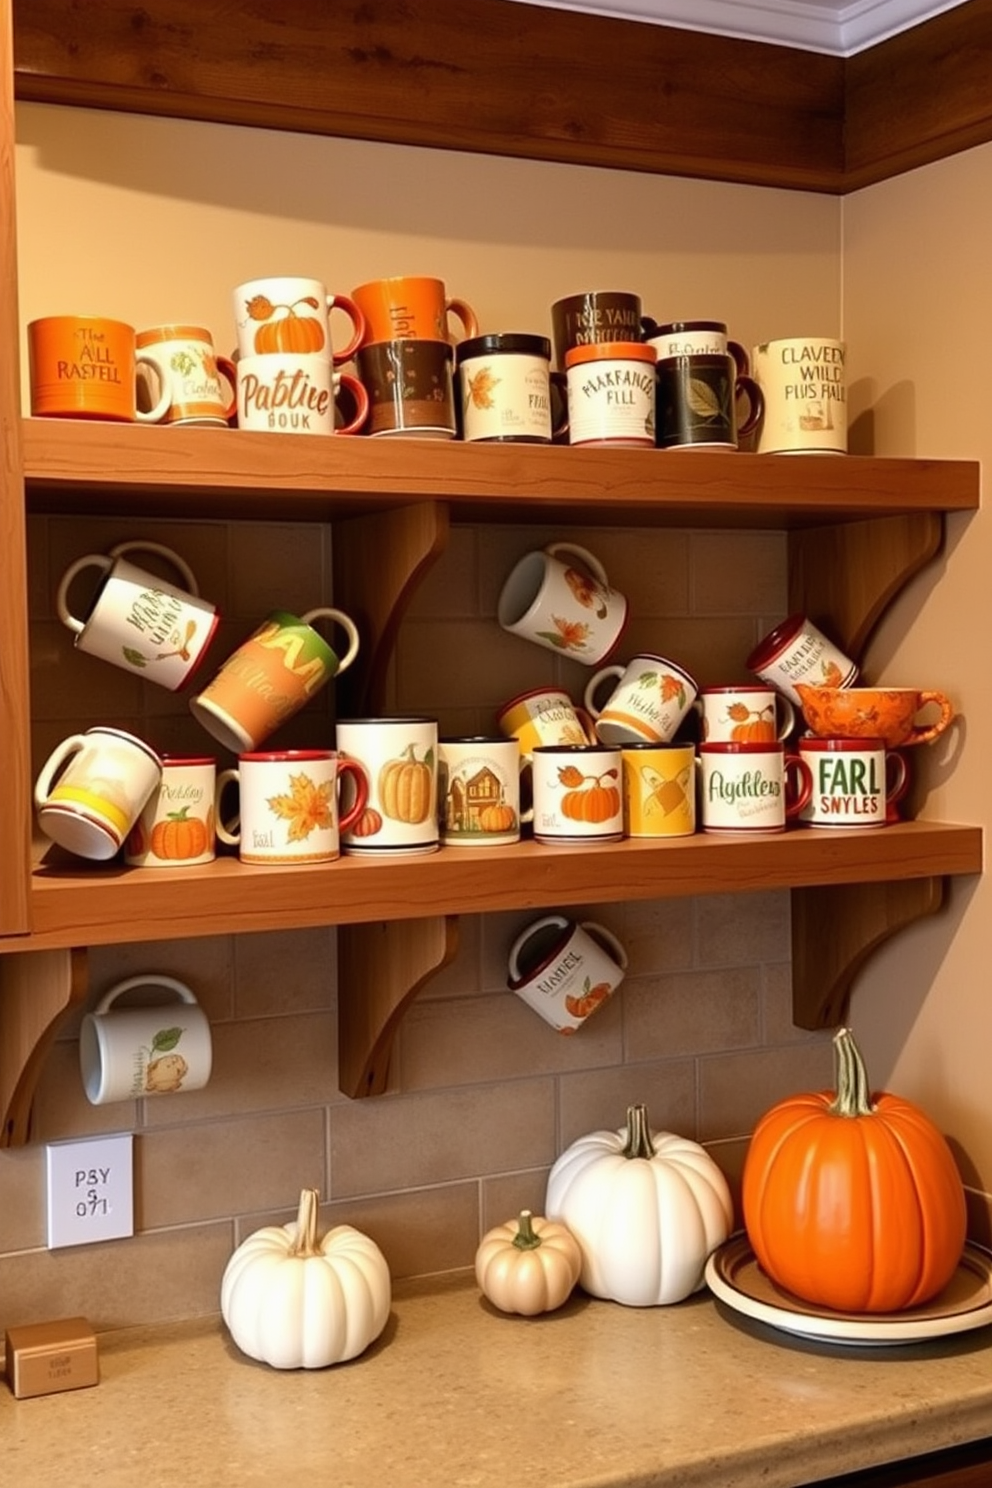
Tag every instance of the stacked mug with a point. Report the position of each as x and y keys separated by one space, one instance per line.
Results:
x=406 y=356
x=286 y=369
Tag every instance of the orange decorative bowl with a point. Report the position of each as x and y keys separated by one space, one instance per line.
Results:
x=886 y=713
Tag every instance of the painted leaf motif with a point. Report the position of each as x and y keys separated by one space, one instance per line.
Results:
x=134 y=657
x=647 y=679
x=739 y=712
x=307 y=806
x=570 y=777
x=702 y=399
x=480 y=388
x=672 y=687
x=166 y=1039
x=259 y=308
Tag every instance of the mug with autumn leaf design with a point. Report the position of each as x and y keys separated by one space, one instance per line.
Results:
x=288 y=805
x=697 y=399
x=576 y=793
x=505 y=390
x=650 y=700
x=566 y=607
x=290 y=314
x=189 y=367
x=747 y=715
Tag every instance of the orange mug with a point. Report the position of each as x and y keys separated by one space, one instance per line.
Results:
x=85 y=366
x=411 y=308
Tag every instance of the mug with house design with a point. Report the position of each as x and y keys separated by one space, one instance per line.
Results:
x=479 y=791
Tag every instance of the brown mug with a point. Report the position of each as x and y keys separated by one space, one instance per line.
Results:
x=597 y=315
x=410 y=387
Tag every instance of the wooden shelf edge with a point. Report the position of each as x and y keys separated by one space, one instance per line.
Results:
x=79 y=907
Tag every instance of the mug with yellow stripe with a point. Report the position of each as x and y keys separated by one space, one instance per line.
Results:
x=92 y=789
x=659 y=790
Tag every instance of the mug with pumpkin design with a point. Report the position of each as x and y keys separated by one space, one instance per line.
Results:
x=479 y=791
x=177 y=828
x=744 y=714
x=292 y=314
x=566 y=606
x=577 y=793
x=651 y=697
x=565 y=970
x=400 y=759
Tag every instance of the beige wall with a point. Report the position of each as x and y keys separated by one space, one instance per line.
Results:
x=917 y=304
x=155 y=221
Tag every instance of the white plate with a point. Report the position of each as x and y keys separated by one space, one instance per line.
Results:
x=734 y=1276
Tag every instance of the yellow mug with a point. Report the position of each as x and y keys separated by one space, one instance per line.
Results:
x=659 y=790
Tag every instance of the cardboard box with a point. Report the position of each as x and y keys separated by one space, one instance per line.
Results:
x=42 y=1358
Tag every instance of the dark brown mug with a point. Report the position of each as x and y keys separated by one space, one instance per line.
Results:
x=597 y=315
x=410 y=388
x=696 y=403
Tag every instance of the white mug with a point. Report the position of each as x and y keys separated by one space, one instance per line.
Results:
x=798 y=651
x=803 y=384
x=288 y=806
x=295 y=393
x=400 y=759
x=479 y=791
x=856 y=782
x=650 y=700
x=744 y=714
x=577 y=793
x=177 y=827
x=567 y=607
x=192 y=373
x=137 y=621
x=92 y=789
x=745 y=788
x=129 y=1052
x=288 y=313
x=564 y=970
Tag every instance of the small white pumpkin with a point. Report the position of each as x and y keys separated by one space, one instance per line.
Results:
x=297 y=1302
x=647 y=1208
x=529 y=1265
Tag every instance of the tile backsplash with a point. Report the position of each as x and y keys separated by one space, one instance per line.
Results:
x=482 y=1093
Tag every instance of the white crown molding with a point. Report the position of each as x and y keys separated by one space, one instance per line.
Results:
x=812 y=25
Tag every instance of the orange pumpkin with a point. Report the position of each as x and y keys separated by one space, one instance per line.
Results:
x=853 y=1202
x=757 y=731
x=594 y=803
x=290 y=332
x=406 y=787
x=368 y=823
x=179 y=836
x=589 y=1001
x=500 y=818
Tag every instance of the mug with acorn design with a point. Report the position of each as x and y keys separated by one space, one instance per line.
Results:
x=291 y=314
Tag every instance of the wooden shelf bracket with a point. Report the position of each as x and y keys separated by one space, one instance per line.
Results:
x=38 y=989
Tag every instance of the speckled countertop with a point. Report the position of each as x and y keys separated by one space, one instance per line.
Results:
x=457 y=1394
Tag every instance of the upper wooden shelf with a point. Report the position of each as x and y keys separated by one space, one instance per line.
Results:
x=71 y=466
x=91 y=906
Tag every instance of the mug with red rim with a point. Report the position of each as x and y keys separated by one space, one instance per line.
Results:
x=751 y=788
x=288 y=809
x=856 y=782
x=798 y=651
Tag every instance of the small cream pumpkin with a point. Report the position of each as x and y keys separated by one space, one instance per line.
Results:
x=529 y=1265
x=297 y=1302
x=647 y=1208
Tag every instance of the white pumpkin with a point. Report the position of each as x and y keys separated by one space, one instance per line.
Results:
x=297 y=1302
x=529 y=1266
x=647 y=1208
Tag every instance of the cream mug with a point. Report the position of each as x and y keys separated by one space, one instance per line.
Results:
x=803 y=385
x=650 y=700
x=400 y=760
x=798 y=651
x=296 y=393
x=564 y=970
x=138 y=621
x=92 y=789
x=191 y=371
x=126 y=1053
x=176 y=828
x=565 y=606
x=288 y=806
x=744 y=715
x=288 y=313
x=856 y=782
x=577 y=794
x=746 y=788
x=479 y=791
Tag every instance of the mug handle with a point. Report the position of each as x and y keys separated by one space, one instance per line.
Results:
x=788 y=716
x=747 y=387
x=224 y=833
x=354 y=768
x=358 y=393
x=799 y=774
x=600 y=932
x=143 y=546
x=593 y=564
x=464 y=312
x=60 y=755
x=92 y=560
x=513 y=959
x=347 y=625
x=150 y=980
x=896 y=776
x=162 y=405
x=227 y=369
x=741 y=359
x=358 y=321
x=594 y=681
x=923 y=735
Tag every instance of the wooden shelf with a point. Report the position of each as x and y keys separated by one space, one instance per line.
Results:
x=71 y=466
x=76 y=907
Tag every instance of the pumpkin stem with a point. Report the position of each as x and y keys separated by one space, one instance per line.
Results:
x=853 y=1096
x=638 y=1143
x=525 y=1238
x=305 y=1243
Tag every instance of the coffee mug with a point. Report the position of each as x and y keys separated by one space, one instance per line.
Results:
x=92 y=789
x=296 y=393
x=292 y=314
x=505 y=390
x=411 y=307
x=577 y=795
x=410 y=388
x=659 y=790
x=596 y=315
x=126 y=1053
x=650 y=700
x=479 y=791
x=678 y=338
x=565 y=970
x=751 y=787
x=743 y=714
x=611 y=394
x=189 y=367
x=176 y=828
x=270 y=676
x=85 y=366
x=798 y=651
x=803 y=384
x=697 y=402
x=856 y=782
x=400 y=760
x=137 y=621
x=288 y=808
x=545 y=716
x=566 y=607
